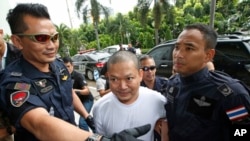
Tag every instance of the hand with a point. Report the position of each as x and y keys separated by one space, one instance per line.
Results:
x=90 y=122
x=129 y=134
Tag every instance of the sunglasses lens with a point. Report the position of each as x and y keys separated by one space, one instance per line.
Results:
x=43 y=38
x=55 y=37
x=148 y=68
x=152 y=67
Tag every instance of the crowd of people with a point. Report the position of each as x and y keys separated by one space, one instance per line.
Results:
x=39 y=92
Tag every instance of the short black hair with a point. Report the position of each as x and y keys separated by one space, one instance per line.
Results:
x=15 y=17
x=209 y=34
x=145 y=57
x=67 y=60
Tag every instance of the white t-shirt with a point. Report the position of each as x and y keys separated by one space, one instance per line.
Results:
x=111 y=116
x=100 y=84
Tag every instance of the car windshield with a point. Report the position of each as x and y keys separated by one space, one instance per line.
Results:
x=99 y=56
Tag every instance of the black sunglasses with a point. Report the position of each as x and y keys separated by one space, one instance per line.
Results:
x=41 y=38
x=148 y=68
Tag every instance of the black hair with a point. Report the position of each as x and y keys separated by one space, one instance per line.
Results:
x=209 y=34
x=67 y=60
x=15 y=17
x=145 y=57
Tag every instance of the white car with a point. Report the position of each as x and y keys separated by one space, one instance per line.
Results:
x=114 y=48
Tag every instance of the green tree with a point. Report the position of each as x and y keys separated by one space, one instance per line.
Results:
x=122 y=26
x=64 y=35
x=95 y=12
x=157 y=14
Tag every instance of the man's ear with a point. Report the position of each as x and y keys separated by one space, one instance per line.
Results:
x=1 y=31
x=16 y=41
x=210 y=54
x=140 y=74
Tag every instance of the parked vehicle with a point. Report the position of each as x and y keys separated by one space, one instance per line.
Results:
x=114 y=48
x=90 y=64
x=232 y=57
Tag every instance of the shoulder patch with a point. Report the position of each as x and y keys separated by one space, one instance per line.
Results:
x=225 y=90
x=237 y=113
x=18 y=98
x=22 y=86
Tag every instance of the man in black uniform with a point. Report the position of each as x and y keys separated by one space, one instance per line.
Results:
x=81 y=89
x=203 y=105
x=36 y=89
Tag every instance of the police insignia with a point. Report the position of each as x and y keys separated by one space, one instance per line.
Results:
x=171 y=89
x=225 y=90
x=64 y=77
x=19 y=97
x=202 y=101
x=41 y=83
x=22 y=86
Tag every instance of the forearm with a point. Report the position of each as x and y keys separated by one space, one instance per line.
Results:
x=103 y=92
x=46 y=127
x=78 y=106
x=82 y=91
x=164 y=131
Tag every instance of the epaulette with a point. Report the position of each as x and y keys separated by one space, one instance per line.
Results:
x=17 y=74
x=221 y=72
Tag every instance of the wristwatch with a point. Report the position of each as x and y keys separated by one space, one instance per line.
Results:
x=94 y=137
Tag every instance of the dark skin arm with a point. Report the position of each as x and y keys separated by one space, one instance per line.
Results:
x=83 y=91
x=46 y=127
x=103 y=92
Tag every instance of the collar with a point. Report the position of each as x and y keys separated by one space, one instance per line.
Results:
x=32 y=72
x=198 y=76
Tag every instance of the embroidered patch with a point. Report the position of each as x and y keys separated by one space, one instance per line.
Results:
x=19 y=97
x=22 y=86
x=172 y=92
x=46 y=89
x=63 y=74
x=237 y=113
x=64 y=77
x=201 y=101
x=41 y=83
x=225 y=90
x=201 y=105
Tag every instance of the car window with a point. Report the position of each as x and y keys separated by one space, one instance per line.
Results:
x=234 y=50
x=162 y=53
x=78 y=58
x=112 y=50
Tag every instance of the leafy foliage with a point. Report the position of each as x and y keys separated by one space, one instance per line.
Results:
x=163 y=22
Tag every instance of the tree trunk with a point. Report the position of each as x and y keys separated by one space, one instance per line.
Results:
x=156 y=37
x=97 y=36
